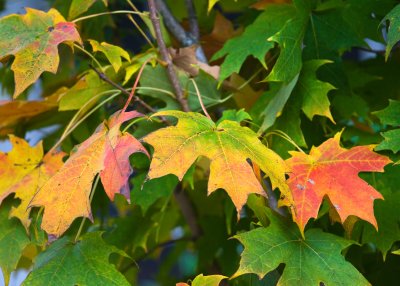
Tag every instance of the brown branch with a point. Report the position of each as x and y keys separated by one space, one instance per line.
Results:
x=181 y=197
x=166 y=57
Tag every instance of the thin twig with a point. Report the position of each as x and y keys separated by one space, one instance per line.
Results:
x=105 y=78
x=96 y=182
x=184 y=38
x=108 y=13
x=200 y=100
x=193 y=23
x=134 y=87
x=166 y=57
x=90 y=55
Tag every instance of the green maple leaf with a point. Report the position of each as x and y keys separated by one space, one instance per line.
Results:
x=311 y=261
x=390 y=116
x=253 y=41
x=82 y=263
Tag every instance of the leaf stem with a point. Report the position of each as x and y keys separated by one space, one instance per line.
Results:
x=65 y=134
x=90 y=55
x=134 y=88
x=96 y=182
x=109 y=13
x=200 y=100
x=286 y=137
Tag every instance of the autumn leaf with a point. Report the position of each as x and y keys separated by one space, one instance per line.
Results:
x=33 y=39
x=332 y=171
x=85 y=262
x=311 y=261
x=66 y=195
x=228 y=146
x=23 y=172
x=13 y=112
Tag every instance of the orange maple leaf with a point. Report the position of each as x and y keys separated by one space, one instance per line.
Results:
x=332 y=171
x=66 y=195
x=23 y=171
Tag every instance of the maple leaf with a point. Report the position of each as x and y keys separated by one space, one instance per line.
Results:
x=14 y=111
x=23 y=171
x=253 y=40
x=85 y=262
x=66 y=195
x=310 y=261
x=228 y=145
x=332 y=171
x=33 y=39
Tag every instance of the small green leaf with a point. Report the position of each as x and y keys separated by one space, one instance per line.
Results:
x=234 y=115
x=113 y=53
x=313 y=91
x=79 y=7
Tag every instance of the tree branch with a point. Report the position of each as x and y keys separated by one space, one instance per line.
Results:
x=193 y=23
x=181 y=197
x=173 y=25
x=166 y=57
x=184 y=38
x=195 y=31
